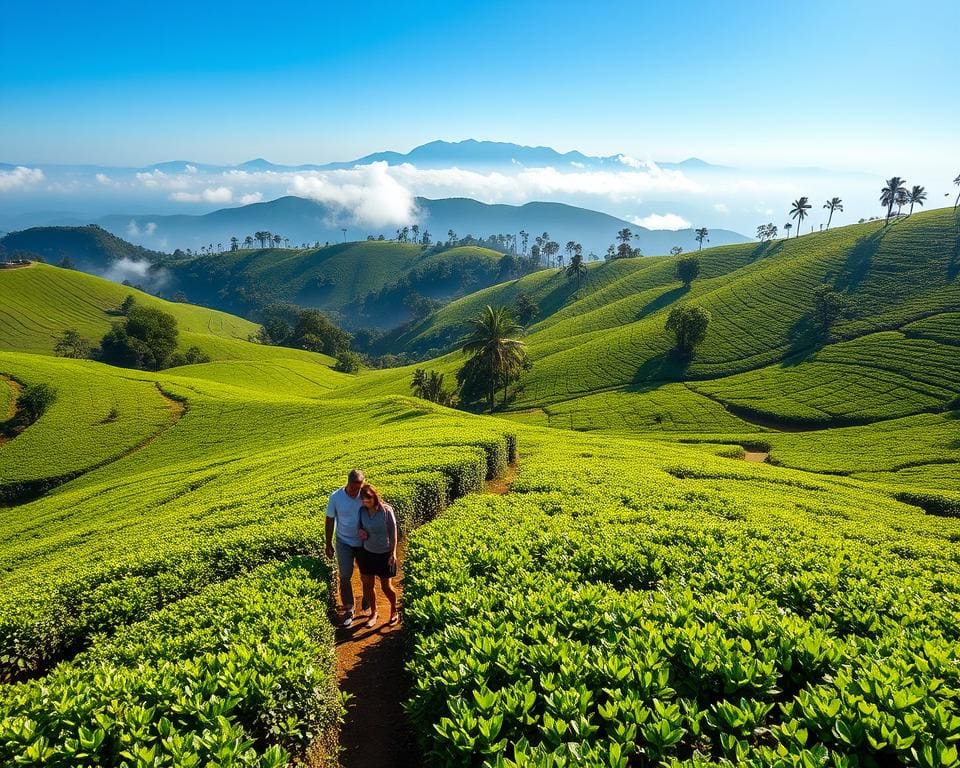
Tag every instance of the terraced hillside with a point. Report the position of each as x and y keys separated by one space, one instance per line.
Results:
x=631 y=600
x=39 y=302
x=334 y=278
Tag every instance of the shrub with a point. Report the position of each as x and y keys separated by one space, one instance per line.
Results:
x=347 y=361
x=689 y=327
x=146 y=341
x=32 y=403
x=71 y=344
x=688 y=269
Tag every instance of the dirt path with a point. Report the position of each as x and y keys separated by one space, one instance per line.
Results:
x=375 y=731
x=757 y=456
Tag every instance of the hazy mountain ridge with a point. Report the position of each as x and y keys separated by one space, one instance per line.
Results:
x=303 y=220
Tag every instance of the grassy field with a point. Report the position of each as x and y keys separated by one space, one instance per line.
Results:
x=641 y=596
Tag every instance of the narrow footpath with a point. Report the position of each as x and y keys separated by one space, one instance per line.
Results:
x=375 y=732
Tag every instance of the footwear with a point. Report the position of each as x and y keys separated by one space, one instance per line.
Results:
x=372 y=622
x=394 y=619
x=347 y=621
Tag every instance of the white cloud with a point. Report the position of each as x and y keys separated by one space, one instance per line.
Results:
x=190 y=168
x=208 y=195
x=367 y=194
x=102 y=178
x=630 y=162
x=132 y=229
x=20 y=178
x=721 y=208
x=672 y=221
x=138 y=272
x=575 y=164
x=253 y=197
x=150 y=228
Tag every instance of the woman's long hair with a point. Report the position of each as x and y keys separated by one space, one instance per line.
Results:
x=369 y=490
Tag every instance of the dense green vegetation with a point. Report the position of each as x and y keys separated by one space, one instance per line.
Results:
x=655 y=608
x=640 y=596
x=89 y=248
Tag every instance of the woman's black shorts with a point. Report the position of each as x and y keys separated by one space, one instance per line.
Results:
x=375 y=564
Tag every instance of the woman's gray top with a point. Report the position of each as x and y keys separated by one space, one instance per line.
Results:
x=381 y=529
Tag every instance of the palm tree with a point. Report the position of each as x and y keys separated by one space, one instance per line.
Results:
x=701 y=236
x=577 y=268
x=836 y=204
x=902 y=199
x=525 y=238
x=451 y=236
x=787 y=227
x=916 y=196
x=799 y=211
x=248 y=242
x=889 y=194
x=277 y=240
x=957 y=182
x=491 y=342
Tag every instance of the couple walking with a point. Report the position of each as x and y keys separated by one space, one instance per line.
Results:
x=366 y=532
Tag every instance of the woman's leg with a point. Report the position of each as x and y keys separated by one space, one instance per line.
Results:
x=387 y=586
x=368 y=597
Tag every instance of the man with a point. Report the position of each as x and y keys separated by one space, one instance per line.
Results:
x=343 y=511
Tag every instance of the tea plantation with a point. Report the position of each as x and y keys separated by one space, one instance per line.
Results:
x=638 y=597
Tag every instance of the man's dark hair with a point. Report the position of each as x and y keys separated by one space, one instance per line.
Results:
x=355 y=476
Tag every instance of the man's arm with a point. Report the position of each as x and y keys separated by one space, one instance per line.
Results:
x=328 y=530
x=329 y=536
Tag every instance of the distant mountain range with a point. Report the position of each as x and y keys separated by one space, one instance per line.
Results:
x=301 y=220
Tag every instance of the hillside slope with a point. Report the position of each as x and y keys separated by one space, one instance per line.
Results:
x=91 y=248
x=39 y=302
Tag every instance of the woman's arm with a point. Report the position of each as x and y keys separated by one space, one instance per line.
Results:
x=393 y=534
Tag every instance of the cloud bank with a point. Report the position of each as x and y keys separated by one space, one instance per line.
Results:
x=20 y=177
x=671 y=221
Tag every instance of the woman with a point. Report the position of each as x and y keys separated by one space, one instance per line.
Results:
x=378 y=529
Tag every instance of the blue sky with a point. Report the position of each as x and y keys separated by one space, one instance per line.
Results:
x=850 y=84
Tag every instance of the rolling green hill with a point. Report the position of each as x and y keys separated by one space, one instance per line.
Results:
x=336 y=278
x=640 y=593
x=39 y=302
x=91 y=248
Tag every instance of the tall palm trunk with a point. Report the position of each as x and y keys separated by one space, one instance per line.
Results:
x=911 y=210
x=830 y=218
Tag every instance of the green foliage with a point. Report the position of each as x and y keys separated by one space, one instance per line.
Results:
x=430 y=386
x=182 y=689
x=496 y=357
x=688 y=268
x=525 y=309
x=314 y=332
x=71 y=344
x=33 y=402
x=685 y=611
x=688 y=324
x=348 y=362
x=146 y=340
x=829 y=306
x=193 y=356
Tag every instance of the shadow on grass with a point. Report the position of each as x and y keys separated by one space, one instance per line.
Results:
x=858 y=262
x=804 y=339
x=665 y=299
x=664 y=367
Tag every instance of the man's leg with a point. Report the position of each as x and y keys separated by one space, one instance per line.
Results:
x=345 y=570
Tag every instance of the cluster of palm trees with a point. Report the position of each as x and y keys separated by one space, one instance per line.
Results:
x=895 y=193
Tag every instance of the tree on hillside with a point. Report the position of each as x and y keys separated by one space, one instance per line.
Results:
x=916 y=196
x=688 y=269
x=71 y=344
x=829 y=306
x=889 y=194
x=786 y=228
x=429 y=385
x=248 y=242
x=415 y=231
x=496 y=355
x=611 y=253
x=524 y=308
x=577 y=268
x=32 y=403
x=146 y=340
x=550 y=249
x=702 y=235
x=676 y=250
x=277 y=240
x=799 y=210
x=569 y=249
x=957 y=201
x=451 y=237
x=524 y=239
x=624 y=249
x=903 y=198
x=425 y=238
x=688 y=324
x=834 y=204
x=314 y=332
x=234 y=243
